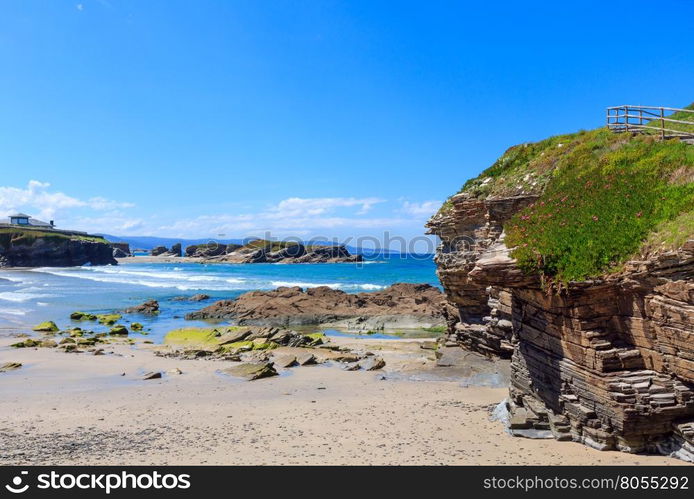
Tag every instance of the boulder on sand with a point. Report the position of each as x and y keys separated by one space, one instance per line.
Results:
x=372 y=363
x=285 y=360
x=251 y=370
x=306 y=359
x=10 y=366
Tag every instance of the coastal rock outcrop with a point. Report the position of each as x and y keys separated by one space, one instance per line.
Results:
x=119 y=253
x=401 y=305
x=607 y=361
x=261 y=251
x=120 y=249
x=150 y=307
x=31 y=248
x=175 y=251
x=159 y=250
x=471 y=232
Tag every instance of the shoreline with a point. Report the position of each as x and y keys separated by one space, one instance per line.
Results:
x=66 y=408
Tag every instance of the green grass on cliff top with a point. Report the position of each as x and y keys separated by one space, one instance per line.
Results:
x=604 y=198
x=18 y=236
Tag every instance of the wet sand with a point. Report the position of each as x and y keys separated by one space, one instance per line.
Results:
x=66 y=408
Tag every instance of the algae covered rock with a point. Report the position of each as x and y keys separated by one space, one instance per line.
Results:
x=251 y=370
x=108 y=319
x=82 y=316
x=136 y=326
x=46 y=326
x=118 y=330
x=236 y=347
x=314 y=339
x=193 y=337
x=263 y=344
x=28 y=343
x=10 y=366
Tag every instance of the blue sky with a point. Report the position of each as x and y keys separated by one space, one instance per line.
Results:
x=336 y=118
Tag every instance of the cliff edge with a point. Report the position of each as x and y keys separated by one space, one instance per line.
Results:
x=25 y=247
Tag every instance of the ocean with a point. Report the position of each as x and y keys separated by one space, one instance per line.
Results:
x=28 y=297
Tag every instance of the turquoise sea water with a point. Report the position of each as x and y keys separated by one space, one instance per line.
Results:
x=51 y=293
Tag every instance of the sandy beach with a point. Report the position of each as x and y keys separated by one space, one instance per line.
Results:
x=66 y=408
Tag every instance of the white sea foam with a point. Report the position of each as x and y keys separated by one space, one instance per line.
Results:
x=333 y=285
x=13 y=311
x=189 y=281
x=21 y=296
x=8 y=277
x=370 y=287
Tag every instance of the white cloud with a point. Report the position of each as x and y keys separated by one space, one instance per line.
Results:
x=424 y=209
x=39 y=201
x=99 y=203
x=317 y=206
x=291 y=216
x=114 y=223
x=294 y=216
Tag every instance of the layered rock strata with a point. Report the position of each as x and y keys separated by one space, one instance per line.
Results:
x=609 y=363
x=479 y=315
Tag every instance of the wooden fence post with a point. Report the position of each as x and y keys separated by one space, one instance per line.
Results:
x=626 y=118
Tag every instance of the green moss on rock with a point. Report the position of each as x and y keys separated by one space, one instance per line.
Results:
x=108 y=319
x=82 y=316
x=28 y=343
x=47 y=327
x=314 y=339
x=192 y=336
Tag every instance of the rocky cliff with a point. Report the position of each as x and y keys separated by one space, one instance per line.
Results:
x=606 y=359
x=32 y=248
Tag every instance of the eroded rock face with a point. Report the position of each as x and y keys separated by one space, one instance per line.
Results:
x=608 y=363
x=54 y=252
x=418 y=305
x=471 y=229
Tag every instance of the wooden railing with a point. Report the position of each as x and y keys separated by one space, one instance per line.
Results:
x=650 y=119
